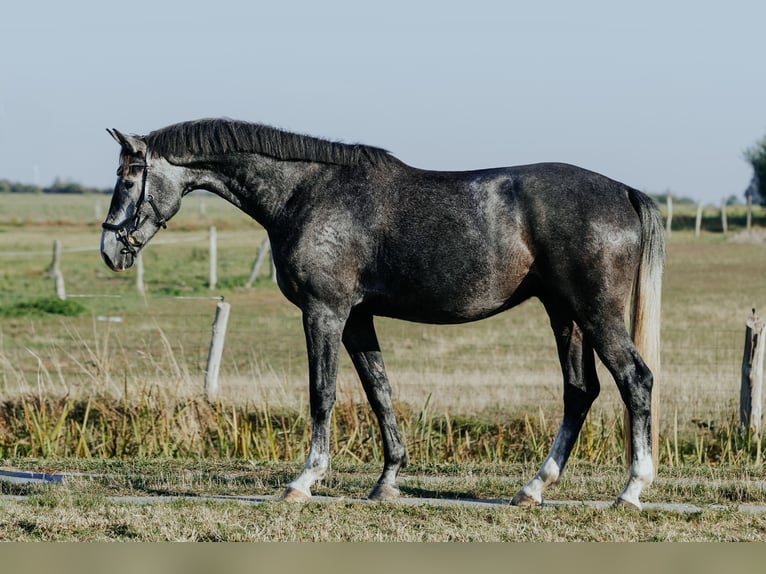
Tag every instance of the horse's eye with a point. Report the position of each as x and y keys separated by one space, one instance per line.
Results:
x=128 y=184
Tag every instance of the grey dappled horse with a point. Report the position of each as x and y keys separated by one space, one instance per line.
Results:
x=356 y=233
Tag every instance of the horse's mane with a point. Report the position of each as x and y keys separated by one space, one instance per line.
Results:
x=220 y=136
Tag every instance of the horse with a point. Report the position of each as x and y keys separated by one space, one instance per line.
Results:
x=357 y=233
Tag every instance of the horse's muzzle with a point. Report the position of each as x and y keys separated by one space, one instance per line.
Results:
x=114 y=254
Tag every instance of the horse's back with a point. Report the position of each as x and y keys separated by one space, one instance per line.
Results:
x=458 y=246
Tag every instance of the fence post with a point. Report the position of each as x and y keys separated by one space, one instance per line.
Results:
x=749 y=212
x=55 y=271
x=262 y=250
x=670 y=214
x=751 y=389
x=698 y=220
x=213 y=258
x=216 y=350
x=140 y=274
x=724 y=219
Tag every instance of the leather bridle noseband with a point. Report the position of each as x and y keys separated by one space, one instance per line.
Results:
x=131 y=244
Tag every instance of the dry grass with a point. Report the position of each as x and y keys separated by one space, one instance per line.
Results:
x=97 y=520
x=82 y=508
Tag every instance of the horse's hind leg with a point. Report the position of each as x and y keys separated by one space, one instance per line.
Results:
x=362 y=345
x=581 y=387
x=634 y=381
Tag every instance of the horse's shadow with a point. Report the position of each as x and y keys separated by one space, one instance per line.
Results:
x=239 y=484
x=417 y=492
x=411 y=492
x=464 y=496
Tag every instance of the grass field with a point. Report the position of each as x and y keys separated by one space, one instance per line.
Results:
x=85 y=510
x=89 y=392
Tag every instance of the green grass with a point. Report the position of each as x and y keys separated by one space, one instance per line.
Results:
x=41 y=307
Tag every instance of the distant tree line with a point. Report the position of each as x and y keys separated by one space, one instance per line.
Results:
x=58 y=186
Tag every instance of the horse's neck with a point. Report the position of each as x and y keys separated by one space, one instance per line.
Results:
x=258 y=186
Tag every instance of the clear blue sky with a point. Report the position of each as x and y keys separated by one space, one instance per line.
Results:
x=663 y=95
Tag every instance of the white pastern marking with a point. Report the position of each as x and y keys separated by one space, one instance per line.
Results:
x=315 y=469
x=548 y=474
x=641 y=476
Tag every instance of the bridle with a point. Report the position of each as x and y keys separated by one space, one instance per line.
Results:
x=130 y=243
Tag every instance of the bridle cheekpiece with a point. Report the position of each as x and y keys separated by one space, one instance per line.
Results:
x=125 y=236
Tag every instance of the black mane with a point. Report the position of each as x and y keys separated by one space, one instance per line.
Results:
x=220 y=136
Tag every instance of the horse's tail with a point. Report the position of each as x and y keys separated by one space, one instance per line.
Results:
x=647 y=296
x=647 y=290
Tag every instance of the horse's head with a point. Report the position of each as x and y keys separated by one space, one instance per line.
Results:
x=146 y=195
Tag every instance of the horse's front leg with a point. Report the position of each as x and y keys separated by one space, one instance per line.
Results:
x=362 y=345
x=323 y=327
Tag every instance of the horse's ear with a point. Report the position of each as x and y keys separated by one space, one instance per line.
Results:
x=131 y=144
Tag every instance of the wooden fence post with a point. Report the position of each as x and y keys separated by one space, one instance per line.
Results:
x=724 y=219
x=140 y=274
x=213 y=258
x=262 y=251
x=216 y=350
x=751 y=389
x=670 y=214
x=698 y=220
x=749 y=212
x=55 y=271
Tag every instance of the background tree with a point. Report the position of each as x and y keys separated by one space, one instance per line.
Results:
x=756 y=155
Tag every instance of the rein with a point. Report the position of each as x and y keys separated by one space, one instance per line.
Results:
x=131 y=245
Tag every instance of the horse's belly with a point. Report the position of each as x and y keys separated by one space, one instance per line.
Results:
x=444 y=306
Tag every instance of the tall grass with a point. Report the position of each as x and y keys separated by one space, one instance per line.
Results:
x=150 y=423
x=153 y=425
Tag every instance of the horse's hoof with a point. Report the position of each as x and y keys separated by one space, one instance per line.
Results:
x=294 y=495
x=627 y=504
x=524 y=499
x=384 y=493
